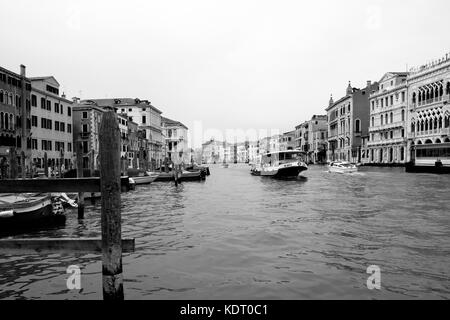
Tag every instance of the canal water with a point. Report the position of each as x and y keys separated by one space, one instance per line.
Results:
x=237 y=236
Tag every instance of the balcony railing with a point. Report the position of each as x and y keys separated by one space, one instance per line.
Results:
x=444 y=98
x=386 y=141
x=442 y=131
x=387 y=126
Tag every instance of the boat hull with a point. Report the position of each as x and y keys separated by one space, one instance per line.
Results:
x=342 y=170
x=144 y=179
x=287 y=171
x=185 y=176
x=290 y=172
x=36 y=213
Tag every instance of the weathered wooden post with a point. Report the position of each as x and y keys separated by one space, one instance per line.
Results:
x=110 y=163
x=13 y=162
x=80 y=175
x=45 y=164
x=22 y=164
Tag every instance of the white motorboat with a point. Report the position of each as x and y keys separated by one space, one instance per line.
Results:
x=342 y=167
x=280 y=164
x=145 y=178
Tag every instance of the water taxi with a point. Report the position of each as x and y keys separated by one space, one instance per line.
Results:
x=342 y=167
x=280 y=164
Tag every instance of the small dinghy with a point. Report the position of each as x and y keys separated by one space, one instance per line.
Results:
x=30 y=211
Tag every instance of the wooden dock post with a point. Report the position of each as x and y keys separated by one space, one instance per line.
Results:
x=80 y=175
x=22 y=164
x=13 y=163
x=110 y=167
x=45 y=165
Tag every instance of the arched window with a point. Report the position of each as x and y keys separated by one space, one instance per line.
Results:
x=403 y=115
x=11 y=122
x=448 y=88
x=414 y=97
x=386 y=118
x=446 y=122
x=6 y=121
x=358 y=125
x=422 y=125
x=392 y=117
x=413 y=127
x=438 y=140
x=428 y=141
x=373 y=122
x=1 y=120
x=426 y=125
x=381 y=119
x=440 y=122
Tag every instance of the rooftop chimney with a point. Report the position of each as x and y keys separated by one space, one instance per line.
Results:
x=23 y=70
x=76 y=99
x=369 y=84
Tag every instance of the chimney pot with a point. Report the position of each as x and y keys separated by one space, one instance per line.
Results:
x=23 y=70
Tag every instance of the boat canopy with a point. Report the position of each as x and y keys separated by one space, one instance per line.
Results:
x=281 y=156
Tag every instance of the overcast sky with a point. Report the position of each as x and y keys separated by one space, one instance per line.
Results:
x=231 y=64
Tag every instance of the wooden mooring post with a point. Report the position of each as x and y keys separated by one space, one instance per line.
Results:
x=80 y=175
x=46 y=165
x=110 y=169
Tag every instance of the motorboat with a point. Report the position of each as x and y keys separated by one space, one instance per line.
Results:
x=145 y=178
x=30 y=211
x=342 y=167
x=280 y=164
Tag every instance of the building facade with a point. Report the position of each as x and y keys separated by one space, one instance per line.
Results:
x=146 y=116
x=176 y=141
x=387 y=128
x=51 y=125
x=429 y=113
x=348 y=122
x=287 y=141
x=86 y=128
x=214 y=152
x=15 y=120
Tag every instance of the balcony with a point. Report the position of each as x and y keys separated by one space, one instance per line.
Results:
x=386 y=142
x=398 y=124
x=445 y=99
x=426 y=133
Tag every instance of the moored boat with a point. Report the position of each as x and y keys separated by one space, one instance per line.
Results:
x=342 y=167
x=145 y=178
x=185 y=176
x=29 y=211
x=280 y=164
